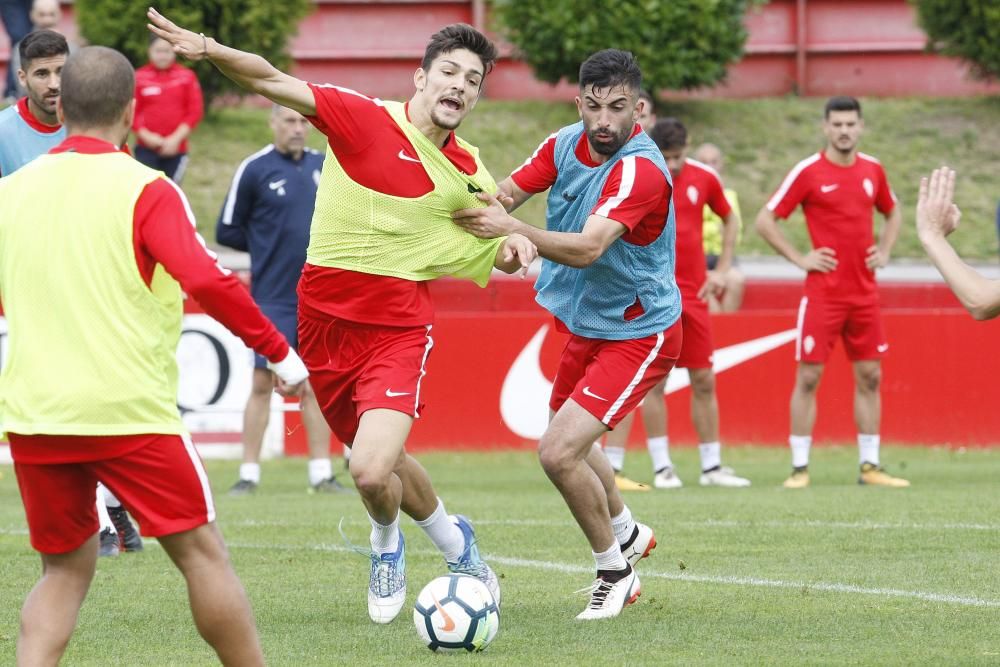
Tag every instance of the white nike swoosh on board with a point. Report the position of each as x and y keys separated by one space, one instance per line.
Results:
x=524 y=396
x=393 y=394
x=404 y=156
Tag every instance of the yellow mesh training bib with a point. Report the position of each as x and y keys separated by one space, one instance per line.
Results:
x=360 y=229
x=91 y=348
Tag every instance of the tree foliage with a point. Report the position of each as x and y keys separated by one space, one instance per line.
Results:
x=680 y=44
x=968 y=29
x=260 y=26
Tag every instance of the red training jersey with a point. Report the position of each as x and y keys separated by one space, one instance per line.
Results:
x=166 y=98
x=637 y=197
x=375 y=152
x=695 y=186
x=838 y=203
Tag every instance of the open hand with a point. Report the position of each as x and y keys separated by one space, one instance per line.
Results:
x=937 y=215
x=185 y=43
x=821 y=260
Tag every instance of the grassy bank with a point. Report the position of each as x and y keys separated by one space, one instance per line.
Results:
x=763 y=139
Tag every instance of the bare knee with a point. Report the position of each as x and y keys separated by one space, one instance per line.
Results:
x=703 y=382
x=369 y=479
x=868 y=379
x=807 y=380
x=555 y=456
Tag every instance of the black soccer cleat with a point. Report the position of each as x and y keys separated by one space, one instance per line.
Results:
x=128 y=536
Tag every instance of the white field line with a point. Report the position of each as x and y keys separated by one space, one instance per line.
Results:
x=672 y=576
x=687 y=578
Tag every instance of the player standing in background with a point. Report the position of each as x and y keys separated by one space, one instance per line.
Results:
x=696 y=185
x=608 y=280
x=16 y=16
x=647 y=111
x=838 y=188
x=168 y=107
x=267 y=213
x=381 y=230
x=92 y=292
x=937 y=217
x=31 y=127
x=27 y=130
x=735 y=282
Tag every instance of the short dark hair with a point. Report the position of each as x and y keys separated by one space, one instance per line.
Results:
x=668 y=134
x=841 y=103
x=41 y=44
x=610 y=68
x=460 y=36
x=98 y=83
x=647 y=98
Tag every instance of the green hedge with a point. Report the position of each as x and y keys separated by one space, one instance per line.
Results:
x=680 y=44
x=259 y=26
x=968 y=29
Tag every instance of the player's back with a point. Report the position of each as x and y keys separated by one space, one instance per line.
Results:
x=90 y=343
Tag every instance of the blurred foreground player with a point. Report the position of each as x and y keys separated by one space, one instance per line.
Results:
x=92 y=292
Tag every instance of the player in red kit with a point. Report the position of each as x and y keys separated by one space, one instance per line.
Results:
x=838 y=189
x=696 y=185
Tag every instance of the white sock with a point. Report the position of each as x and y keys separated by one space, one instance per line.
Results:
x=800 y=449
x=109 y=498
x=711 y=455
x=385 y=539
x=868 y=448
x=623 y=525
x=319 y=469
x=444 y=533
x=616 y=456
x=250 y=472
x=659 y=451
x=612 y=559
x=102 y=516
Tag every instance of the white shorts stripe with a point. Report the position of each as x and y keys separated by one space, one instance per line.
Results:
x=798 y=327
x=616 y=406
x=423 y=372
x=202 y=476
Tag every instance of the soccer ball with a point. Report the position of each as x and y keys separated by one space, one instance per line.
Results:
x=456 y=612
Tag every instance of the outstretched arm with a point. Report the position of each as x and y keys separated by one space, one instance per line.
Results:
x=248 y=70
x=937 y=216
x=576 y=249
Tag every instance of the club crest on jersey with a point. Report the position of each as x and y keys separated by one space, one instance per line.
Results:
x=568 y=197
x=692 y=193
x=869 y=187
x=316 y=175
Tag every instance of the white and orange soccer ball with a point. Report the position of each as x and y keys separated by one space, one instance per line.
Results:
x=456 y=612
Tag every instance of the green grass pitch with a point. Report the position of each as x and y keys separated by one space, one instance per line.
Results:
x=834 y=574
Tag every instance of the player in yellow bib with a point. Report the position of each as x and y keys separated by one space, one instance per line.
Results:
x=381 y=230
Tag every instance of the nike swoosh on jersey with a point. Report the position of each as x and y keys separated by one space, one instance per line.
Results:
x=277 y=184
x=404 y=156
x=828 y=188
x=524 y=396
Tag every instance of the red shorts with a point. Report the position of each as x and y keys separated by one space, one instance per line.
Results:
x=161 y=482
x=354 y=368
x=609 y=378
x=822 y=321
x=698 y=347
